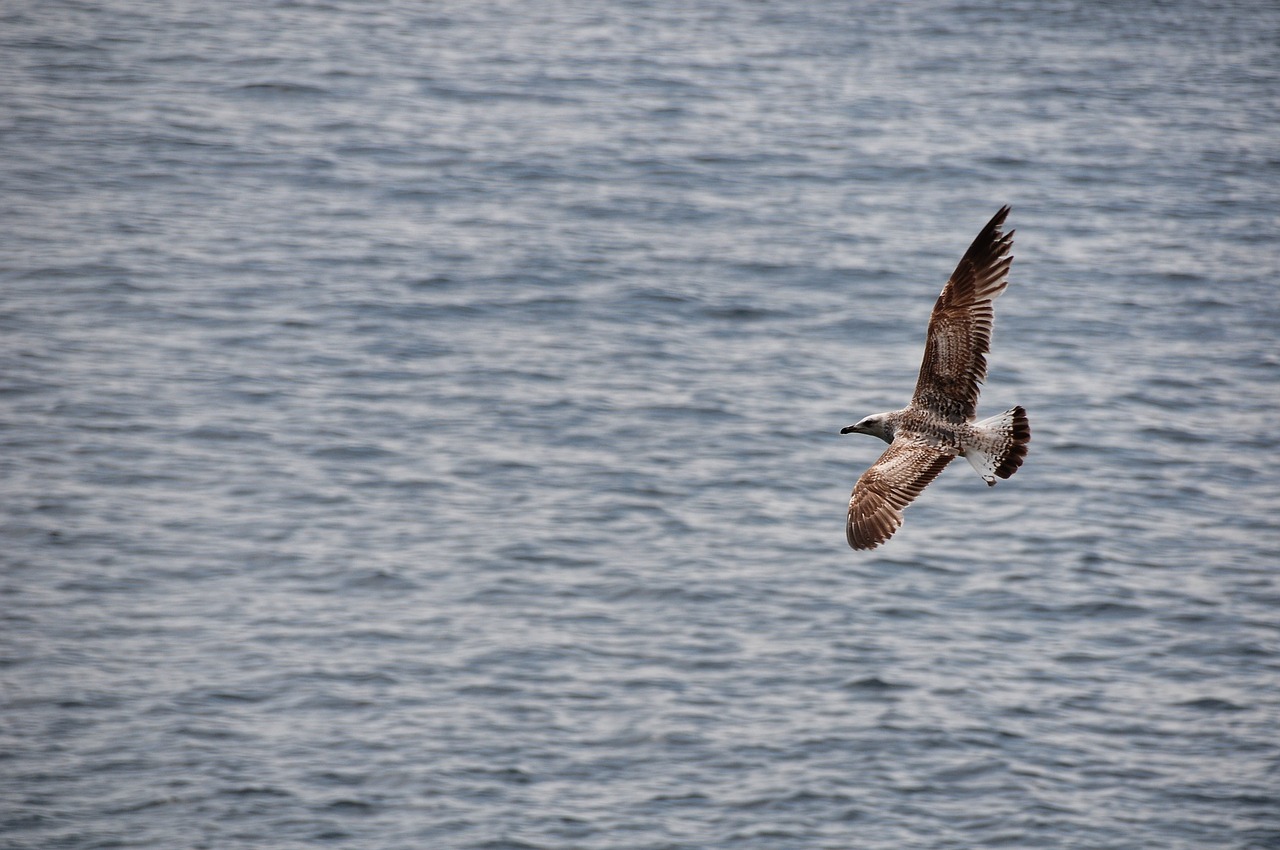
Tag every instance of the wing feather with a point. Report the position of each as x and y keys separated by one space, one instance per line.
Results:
x=887 y=487
x=955 y=353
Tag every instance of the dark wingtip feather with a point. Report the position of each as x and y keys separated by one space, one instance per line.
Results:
x=997 y=221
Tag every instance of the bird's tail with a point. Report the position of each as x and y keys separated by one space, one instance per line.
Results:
x=999 y=444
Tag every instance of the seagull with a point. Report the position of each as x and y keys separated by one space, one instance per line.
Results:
x=938 y=425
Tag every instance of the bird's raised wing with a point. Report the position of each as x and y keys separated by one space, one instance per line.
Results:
x=887 y=487
x=955 y=353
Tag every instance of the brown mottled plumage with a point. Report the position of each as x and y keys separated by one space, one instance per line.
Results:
x=938 y=424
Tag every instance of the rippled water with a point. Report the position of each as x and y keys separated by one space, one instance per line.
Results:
x=419 y=426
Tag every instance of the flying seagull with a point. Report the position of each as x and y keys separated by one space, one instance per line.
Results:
x=938 y=424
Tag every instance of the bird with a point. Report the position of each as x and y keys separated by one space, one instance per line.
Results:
x=938 y=425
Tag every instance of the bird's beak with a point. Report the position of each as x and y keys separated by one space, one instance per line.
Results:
x=849 y=429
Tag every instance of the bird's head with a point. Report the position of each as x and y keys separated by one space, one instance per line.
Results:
x=876 y=425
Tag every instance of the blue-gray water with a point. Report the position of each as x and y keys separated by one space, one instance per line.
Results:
x=419 y=426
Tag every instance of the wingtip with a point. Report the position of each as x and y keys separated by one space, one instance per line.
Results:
x=862 y=545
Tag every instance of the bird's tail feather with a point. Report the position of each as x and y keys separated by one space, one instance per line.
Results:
x=999 y=445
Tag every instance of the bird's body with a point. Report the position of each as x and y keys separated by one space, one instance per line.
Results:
x=939 y=423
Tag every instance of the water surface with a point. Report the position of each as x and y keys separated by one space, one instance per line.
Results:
x=420 y=422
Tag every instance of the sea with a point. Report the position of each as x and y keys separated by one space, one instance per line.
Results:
x=419 y=425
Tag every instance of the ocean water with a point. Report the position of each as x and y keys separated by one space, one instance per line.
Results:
x=418 y=426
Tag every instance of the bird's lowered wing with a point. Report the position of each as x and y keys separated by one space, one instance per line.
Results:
x=955 y=353
x=887 y=487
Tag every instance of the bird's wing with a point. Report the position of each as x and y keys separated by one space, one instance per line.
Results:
x=955 y=353
x=884 y=490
